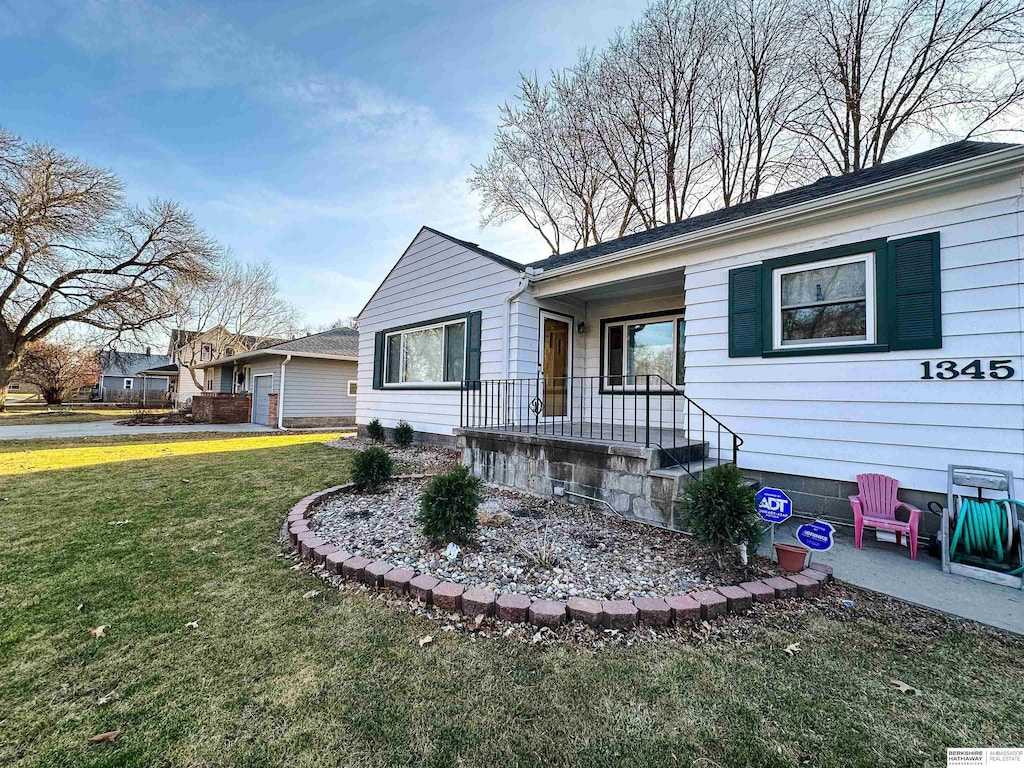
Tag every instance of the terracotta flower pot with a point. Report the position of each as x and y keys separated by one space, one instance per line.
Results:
x=791 y=557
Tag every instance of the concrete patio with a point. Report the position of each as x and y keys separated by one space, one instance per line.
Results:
x=887 y=568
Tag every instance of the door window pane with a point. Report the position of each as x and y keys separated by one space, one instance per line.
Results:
x=455 y=352
x=422 y=360
x=649 y=351
x=615 y=355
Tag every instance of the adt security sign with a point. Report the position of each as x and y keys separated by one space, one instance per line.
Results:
x=816 y=536
x=773 y=505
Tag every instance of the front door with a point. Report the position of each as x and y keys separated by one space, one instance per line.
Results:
x=261 y=386
x=555 y=365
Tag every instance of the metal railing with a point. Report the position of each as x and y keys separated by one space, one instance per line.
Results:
x=642 y=409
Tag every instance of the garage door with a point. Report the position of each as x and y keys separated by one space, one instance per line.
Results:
x=261 y=399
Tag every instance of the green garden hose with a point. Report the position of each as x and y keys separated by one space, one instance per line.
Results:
x=980 y=526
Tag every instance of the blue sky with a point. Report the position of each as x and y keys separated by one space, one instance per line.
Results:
x=318 y=135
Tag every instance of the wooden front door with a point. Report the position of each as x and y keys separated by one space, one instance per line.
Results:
x=556 y=367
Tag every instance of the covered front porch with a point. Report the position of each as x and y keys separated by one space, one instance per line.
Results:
x=595 y=407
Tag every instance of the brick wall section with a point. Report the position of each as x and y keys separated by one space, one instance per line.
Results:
x=510 y=606
x=273 y=407
x=218 y=408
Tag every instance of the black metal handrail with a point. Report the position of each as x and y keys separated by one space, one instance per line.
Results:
x=642 y=409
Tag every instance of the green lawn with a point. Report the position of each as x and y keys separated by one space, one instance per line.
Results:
x=270 y=679
x=21 y=415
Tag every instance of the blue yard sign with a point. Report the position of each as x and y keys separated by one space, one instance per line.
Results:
x=816 y=536
x=773 y=505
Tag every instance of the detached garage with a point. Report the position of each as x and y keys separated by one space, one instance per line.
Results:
x=307 y=382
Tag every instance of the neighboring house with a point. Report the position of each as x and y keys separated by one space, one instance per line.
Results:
x=131 y=377
x=306 y=382
x=196 y=348
x=870 y=322
x=23 y=390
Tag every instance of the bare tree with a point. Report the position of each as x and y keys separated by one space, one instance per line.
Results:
x=59 y=367
x=72 y=251
x=760 y=83
x=888 y=70
x=239 y=310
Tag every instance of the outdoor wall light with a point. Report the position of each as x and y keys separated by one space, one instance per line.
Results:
x=581 y=327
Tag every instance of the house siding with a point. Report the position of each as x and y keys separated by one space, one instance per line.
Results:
x=834 y=416
x=318 y=388
x=434 y=278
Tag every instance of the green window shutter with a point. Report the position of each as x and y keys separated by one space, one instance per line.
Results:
x=378 y=360
x=914 y=293
x=745 y=311
x=473 y=346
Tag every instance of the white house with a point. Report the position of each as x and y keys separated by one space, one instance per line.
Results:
x=872 y=322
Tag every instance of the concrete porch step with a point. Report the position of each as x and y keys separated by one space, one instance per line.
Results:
x=679 y=473
x=688 y=452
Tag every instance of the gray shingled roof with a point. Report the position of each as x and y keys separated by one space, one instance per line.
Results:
x=337 y=341
x=830 y=185
x=130 y=363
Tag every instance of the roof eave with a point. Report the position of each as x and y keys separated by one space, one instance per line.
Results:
x=992 y=164
x=277 y=353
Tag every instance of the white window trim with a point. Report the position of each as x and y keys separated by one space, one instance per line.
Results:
x=202 y=350
x=444 y=357
x=352 y=383
x=128 y=384
x=868 y=257
x=14 y=387
x=608 y=375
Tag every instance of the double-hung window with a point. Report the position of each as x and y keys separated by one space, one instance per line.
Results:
x=825 y=303
x=426 y=355
x=638 y=350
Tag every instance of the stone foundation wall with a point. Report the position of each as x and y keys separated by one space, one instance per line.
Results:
x=312 y=422
x=615 y=474
x=218 y=408
x=418 y=438
x=817 y=497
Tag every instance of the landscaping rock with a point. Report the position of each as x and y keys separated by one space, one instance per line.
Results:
x=478 y=602
x=685 y=610
x=397 y=580
x=513 y=606
x=712 y=604
x=334 y=560
x=320 y=553
x=374 y=573
x=448 y=596
x=805 y=587
x=783 y=587
x=585 y=610
x=737 y=599
x=422 y=587
x=760 y=591
x=653 y=611
x=547 y=613
x=619 y=614
x=353 y=568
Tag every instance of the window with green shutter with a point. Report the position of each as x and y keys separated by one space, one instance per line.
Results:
x=439 y=353
x=871 y=296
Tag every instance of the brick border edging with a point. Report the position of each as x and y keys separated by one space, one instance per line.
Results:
x=689 y=607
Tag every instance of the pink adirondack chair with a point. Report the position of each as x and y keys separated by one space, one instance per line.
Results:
x=875 y=507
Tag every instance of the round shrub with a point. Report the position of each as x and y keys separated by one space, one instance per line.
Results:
x=720 y=510
x=403 y=433
x=371 y=469
x=448 y=506
x=375 y=431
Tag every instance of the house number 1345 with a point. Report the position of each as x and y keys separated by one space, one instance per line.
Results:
x=950 y=369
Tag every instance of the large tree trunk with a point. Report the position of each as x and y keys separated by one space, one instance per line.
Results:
x=9 y=360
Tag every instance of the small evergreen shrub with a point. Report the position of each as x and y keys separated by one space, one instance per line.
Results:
x=375 y=431
x=448 y=506
x=720 y=510
x=403 y=433
x=371 y=469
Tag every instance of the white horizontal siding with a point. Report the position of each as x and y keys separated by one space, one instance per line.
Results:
x=434 y=278
x=314 y=387
x=840 y=415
